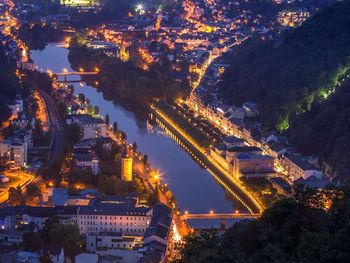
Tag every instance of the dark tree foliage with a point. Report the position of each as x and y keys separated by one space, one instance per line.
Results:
x=9 y=86
x=124 y=81
x=289 y=231
x=325 y=130
x=287 y=75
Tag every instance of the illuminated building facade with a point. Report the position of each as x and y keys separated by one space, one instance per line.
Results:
x=77 y=3
x=126 y=167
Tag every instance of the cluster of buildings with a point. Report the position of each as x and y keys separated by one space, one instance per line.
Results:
x=247 y=151
x=14 y=150
x=112 y=226
x=293 y=18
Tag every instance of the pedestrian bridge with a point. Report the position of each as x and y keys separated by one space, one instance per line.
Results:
x=75 y=73
x=187 y=216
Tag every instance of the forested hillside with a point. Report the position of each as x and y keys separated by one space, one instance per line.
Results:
x=9 y=86
x=286 y=76
x=299 y=230
x=325 y=130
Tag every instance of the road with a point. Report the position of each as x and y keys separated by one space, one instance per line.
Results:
x=58 y=134
x=25 y=179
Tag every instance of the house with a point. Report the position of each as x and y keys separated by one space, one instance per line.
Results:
x=275 y=149
x=312 y=182
x=88 y=161
x=16 y=107
x=15 y=149
x=91 y=127
x=111 y=240
x=250 y=108
x=297 y=168
x=15 y=152
x=233 y=141
x=56 y=254
x=85 y=158
x=237 y=113
x=26 y=256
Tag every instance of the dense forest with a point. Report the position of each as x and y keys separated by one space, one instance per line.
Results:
x=325 y=129
x=124 y=81
x=287 y=75
x=313 y=228
x=9 y=86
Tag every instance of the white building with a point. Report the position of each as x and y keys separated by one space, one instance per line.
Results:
x=88 y=161
x=16 y=152
x=122 y=218
x=91 y=127
x=297 y=168
x=16 y=107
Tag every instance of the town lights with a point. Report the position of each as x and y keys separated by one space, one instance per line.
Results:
x=139 y=8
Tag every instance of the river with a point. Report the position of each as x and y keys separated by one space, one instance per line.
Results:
x=194 y=188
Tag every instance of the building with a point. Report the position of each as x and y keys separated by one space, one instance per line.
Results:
x=297 y=168
x=126 y=167
x=233 y=141
x=15 y=152
x=88 y=161
x=117 y=217
x=90 y=127
x=111 y=240
x=16 y=107
x=79 y=3
x=251 y=164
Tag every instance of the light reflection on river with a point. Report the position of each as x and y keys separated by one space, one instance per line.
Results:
x=193 y=187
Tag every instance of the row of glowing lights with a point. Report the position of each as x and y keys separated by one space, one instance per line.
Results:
x=198 y=160
x=65 y=70
x=188 y=138
x=211 y=212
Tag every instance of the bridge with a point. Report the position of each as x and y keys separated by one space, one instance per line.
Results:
x=75 y=73
x=66 y=73
x=187 y=216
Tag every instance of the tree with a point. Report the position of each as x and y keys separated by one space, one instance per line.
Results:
x=96 y=110
x=16 y=196
x=107 y=119
x=68 y=237
x=145 y=159
x=115 y=126
x=33 y=193
x=70 y=89
x=73 y=133
x=81 y=98
x=134 y=147
x=31 y=241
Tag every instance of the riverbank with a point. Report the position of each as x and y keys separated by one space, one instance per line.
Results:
x=234 y=187
x=120 y=80
x=195 y=189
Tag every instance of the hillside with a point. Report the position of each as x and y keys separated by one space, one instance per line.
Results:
x=291 y=231
x=325 y=130
x=9 y=86
x=286 y=76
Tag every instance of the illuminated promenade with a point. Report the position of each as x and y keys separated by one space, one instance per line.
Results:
x=231 y=184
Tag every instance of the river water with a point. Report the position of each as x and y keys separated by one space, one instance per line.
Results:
x=194 y=188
